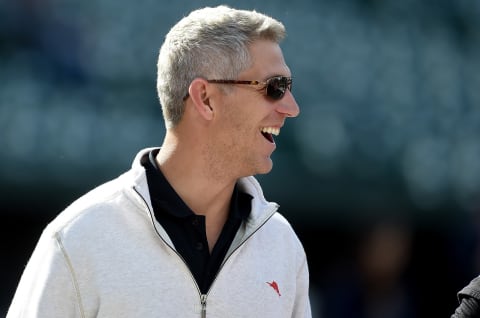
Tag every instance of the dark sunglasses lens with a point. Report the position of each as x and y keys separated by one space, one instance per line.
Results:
x=276 y=87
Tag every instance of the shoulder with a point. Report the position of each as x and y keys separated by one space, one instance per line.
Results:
x=285 y=236
x=91 y=210
x=472 y=289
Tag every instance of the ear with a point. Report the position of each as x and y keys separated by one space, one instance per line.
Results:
x=199 y=93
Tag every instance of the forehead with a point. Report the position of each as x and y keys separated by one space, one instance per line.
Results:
x=267 y=61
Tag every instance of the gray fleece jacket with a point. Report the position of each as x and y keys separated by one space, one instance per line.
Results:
x=107 y=256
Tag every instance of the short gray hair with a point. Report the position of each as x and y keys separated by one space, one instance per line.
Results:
x=208 y=43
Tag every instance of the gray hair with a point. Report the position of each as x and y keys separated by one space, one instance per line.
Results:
x=208 y=43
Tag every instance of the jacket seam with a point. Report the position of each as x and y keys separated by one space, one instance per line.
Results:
x=78 y=206
x=72 y=274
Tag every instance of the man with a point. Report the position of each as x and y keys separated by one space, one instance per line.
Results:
x=187 y=231
x=469 y=298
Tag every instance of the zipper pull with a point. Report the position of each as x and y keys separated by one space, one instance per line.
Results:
x=203 y=301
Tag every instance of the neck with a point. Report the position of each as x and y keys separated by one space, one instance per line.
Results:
x=205 y=193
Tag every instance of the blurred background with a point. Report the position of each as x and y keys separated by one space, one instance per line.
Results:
x=379 y=175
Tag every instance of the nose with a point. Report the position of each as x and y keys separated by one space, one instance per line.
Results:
x=288 y=106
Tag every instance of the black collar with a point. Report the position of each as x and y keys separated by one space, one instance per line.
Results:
x=165 y=198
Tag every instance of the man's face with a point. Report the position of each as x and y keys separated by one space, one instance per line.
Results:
x=247 y=117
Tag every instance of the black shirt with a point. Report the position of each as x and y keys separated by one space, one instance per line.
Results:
x=187 y=229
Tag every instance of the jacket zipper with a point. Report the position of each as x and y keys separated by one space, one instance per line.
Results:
x=203 y=297
x=203 y=301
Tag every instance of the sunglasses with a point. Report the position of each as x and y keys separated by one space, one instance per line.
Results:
x=275 y=87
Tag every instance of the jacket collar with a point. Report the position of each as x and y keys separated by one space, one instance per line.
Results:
x=135 y=179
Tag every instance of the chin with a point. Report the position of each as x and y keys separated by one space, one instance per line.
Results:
x=265 y=168
x=264 y=172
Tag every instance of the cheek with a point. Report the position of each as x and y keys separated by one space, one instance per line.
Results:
x=241 y=116
x=238 y=122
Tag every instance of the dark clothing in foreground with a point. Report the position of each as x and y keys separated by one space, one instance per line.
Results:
x=469 y=298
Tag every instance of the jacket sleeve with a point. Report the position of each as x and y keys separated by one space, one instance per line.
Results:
x=47 y=287
x=302 y=307
x=469 y=298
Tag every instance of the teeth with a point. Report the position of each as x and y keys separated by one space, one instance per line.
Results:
x=271 y=130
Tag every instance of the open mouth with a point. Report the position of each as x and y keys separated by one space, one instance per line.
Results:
x=268 y=133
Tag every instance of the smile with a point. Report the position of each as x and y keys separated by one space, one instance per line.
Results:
x=267 y=132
